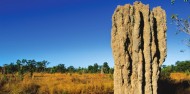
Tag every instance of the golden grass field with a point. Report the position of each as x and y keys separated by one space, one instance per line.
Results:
x=179 y=83
x=43 y=83
x=67 y=83
x=179 y=76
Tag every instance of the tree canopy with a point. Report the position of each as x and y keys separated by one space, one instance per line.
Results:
x=31 y=66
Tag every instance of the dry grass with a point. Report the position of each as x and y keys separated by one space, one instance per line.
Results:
x=58 y=83
x=179 y=76
x=179 y=83
x=183 y=79
x=43 y=83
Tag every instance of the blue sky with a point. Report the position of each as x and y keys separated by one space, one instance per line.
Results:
x=73 y=32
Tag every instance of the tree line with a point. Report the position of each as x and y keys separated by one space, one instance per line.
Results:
x=31 y=66
x=180 y=66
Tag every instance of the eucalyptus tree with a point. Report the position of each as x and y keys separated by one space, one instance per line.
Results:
x=105 y=67
x=61 y=68
x=96 y=68
x=71 y=69
x=19 y=65
x=31 y=65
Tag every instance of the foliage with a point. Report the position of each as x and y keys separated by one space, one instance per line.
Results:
x=24 y=66
x=180 y=66
x=71 y=69
x=94 y=68
x=41 y=65
x=166 y=70
x=59 y=68
x=106 y=67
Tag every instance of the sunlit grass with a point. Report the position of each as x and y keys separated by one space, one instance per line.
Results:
x=44 y=83
x=69 y=83
x=179 y=76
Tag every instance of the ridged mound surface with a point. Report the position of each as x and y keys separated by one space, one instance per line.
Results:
x=138 y=43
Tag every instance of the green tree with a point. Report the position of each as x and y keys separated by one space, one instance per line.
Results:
x=18 y=64
x=61 y=68
x=90 y=69
x=111 y=71
x=182 y=66
x=53 y=70
x=165 y=72
x=96 y=68
x=106 y=67
x=81 y=70
x=31 y=65
x=20 y=68
x=41 y=66
x=71 y=69
x=10 y=68
x=24 y=66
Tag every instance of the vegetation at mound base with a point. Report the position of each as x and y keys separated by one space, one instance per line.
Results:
x=175 y=79
x=176 y=83
x=180 y=66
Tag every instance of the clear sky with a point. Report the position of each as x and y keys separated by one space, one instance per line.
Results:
x=73 y=32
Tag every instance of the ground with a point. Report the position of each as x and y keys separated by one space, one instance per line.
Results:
x=74 y=83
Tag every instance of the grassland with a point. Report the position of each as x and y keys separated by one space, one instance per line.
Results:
x=57 y=83
x=179 y=76
x=177 y=83
x=74 y=83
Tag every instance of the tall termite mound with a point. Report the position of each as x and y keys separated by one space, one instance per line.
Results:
x=139 y=48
